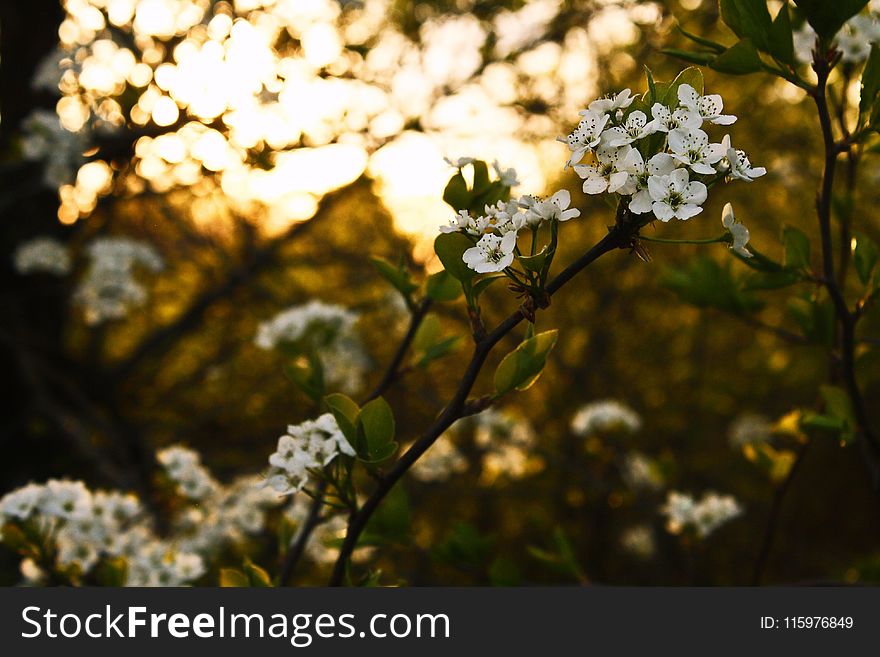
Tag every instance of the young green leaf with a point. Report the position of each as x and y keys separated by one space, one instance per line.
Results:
x=714 y=46
x=692 y=76
x=376 y=421
x=797 y=248
x=865 y=257
x=443 y=287
x=740 y=59
x=870 y=82
x=456 y=193
x=449 y=247
x=346 y=413
x=782 y=38
x=397 y=275
x=521 y=367
x=258 y=576
x=749 y=19
x=828 y=16
x=229 y=577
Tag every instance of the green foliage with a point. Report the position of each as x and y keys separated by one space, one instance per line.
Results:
x=870 y=87
x=442 y=286
x=749 y=19
x=523 y=366
x=464 y=547
x=560 y=557
x=797 y=249
x=346 y=413
x=429 y=344
x=865 y=257
x=740 y=59
x=705 y=283
x=483 y=191
x=375 y=430
x=814 y=317
x=781 y=37
x=449 y=247
x=397 y=275
x=828 y=16
x=232 y=578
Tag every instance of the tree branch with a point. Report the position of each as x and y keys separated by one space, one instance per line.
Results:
x=618 y=236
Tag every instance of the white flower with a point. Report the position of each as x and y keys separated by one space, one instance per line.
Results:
x=692 y=147
x=500 y=217
x=608 y=173
x=586 y=136
x=675 y=197
x=21 y=502
x=461 y=221
x=639 y=172
x=556 y=207
x=708 y=107
x=740 y=168
x=856 y=37
x=611 y=104
x=683 y=511
x=507 y=177
x=641 y=472
x=440 y=462
x=665 y=119
x=605 y=416
x=42 y=254
x=804 y=43
x=66 y=499
x=634 y=128
x=491 y=254
x=737 y=230
x=748 y=429
x=460 y=162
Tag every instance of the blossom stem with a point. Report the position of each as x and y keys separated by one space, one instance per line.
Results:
x=391 y=376
x=618 y=237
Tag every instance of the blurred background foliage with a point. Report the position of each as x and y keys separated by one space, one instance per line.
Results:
x=416 y=81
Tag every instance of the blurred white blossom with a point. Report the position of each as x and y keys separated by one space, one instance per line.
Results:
x=42 y=254
x=605 y=416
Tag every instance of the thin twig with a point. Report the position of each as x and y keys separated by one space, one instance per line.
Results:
x=618 y=236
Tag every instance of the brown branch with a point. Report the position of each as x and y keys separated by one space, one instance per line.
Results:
x=619 y=236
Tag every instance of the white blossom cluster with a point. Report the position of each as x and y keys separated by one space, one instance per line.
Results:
x=640 y=472
x=605 y=416
x=84 y=526
x=748 y=429
x=44 y=138
x=87 y=526
x=327 y=330
x=507 y=442
x=663 y=164
x=109 y=289
x=307 y=446
x=442 y=461
x=854 y=40
x=683 y=512
x=184 y=468
x=42 y=255
x=498 y=228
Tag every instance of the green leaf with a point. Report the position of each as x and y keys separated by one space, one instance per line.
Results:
x=481 y=177
x=438 y=350
x=449 y=247
x=690 y=56
x=839 y=406
x=865 y=257
x=376 y=422
x=822 y=423
x=456 y=193
x=714 y=46
x=397 y=275
x=443 y=287
x=749 y=19
x=692 y=76
x=229 y=577
x=706 y=283
x=483 y=284
x=870 y=82
x=781 y=37
x=535 y=262
x=771 y=280
x=828 y=16
x=258 y=577
x=797 y=248
x=740 y=59
x=521 y=367
x=815 y=317
x=346 y=413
